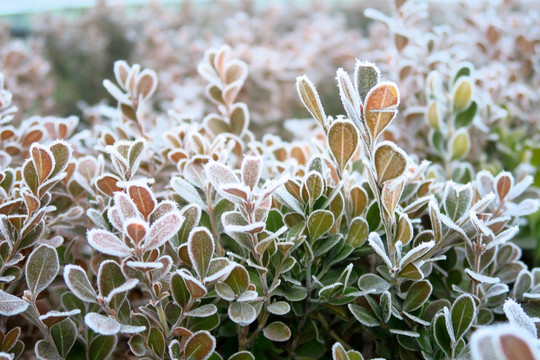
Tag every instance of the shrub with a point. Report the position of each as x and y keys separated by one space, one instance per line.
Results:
x=167 y=236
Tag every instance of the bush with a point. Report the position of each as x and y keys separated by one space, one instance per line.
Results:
x=166 y=236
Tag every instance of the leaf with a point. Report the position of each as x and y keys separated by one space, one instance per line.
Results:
x=515 y=314
x=277 y=331
x=463 y=315
x=343 y=141
x=156 y=341
x=107 y=243
x=366 y=76
x=201 y=250
x=43 y=161
x=44 y=351
x=187 y=191
x=310 y=98
x=64 y=335
x=11 y=305
x=242 y=355
x=107 y=184
x=440 y=332
x=460 y=144
x=380 y=107
x=242 y=313
x=404 y=230
x=238 y=279
x=101 y=347
x=481 y=278
x=364 y=316
x=358 y=232
x=374 y=283
x=338 y=352
x=279 y=308
x=466 y=117
x=53 y=317
x=41 y=268
x=179 y=290
x=163 y=229
x=143 y=198
x=375 y=242
x=417 y=295
x=251 y=171
x=202 y=311
x=101 y=324
x=390 y=161
x=503 y=341
x=349 y=97
x=462 y=93
x=319 y=222
x=200 y=346
x=77 y=281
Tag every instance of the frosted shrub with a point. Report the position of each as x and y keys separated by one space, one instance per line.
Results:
x=148 y=232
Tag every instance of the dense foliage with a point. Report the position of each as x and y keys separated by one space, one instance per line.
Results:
x=385 y=228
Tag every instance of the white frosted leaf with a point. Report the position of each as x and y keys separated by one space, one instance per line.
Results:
x=101 y=324
x=186 y=191
x=248 y=295
x=77 y=281
x=142 y=265
x=163 y=229
x=132 y=329
x=375 y=242
x=417 y=252
x=125 y=287
x=515 y=314
x=482 y=278
x=59 y=314
x=11 y=305
x=202 y=311
x=107 y=243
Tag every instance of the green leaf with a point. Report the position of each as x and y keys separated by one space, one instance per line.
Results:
x=200 y=346
x=465 y=118
x=242 y=313
x=41 y=268
x=110 y=277
x=101 y=347
x=44 y=351
x=136 y=345
x=179 y=290
x=277 y=331
x=364 y=316
x=279 y=308
x=463 y=315
x=440 y=333
x=320 y=222
x=366 y=76
x=358 y=232
x=156 y=341
x=417 y=295
x=238 y=279
x=64 y=335
x=200 y=250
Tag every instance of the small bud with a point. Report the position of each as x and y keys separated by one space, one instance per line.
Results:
x=462 y=96
x=460 y=144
